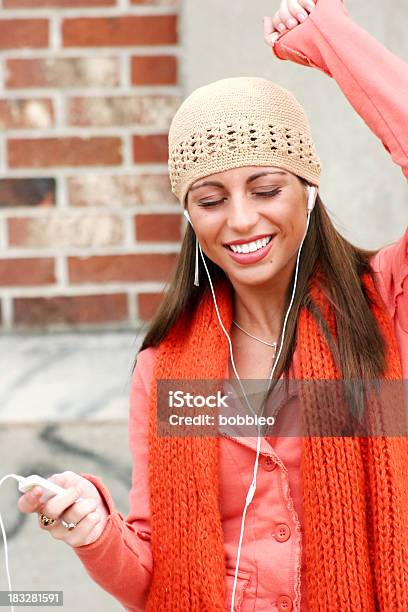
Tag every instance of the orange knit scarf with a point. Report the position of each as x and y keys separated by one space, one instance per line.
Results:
x=355 y=531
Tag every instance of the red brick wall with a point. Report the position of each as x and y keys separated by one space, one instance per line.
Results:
x=89 y=229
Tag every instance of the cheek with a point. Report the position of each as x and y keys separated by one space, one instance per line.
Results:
x=291 y=235
x=294 y=223
x=208 y=233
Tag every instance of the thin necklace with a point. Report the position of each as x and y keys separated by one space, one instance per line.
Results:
x=273 y=344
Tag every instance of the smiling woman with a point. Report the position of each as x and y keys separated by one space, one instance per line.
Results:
x=280 y=274
x=262 y=267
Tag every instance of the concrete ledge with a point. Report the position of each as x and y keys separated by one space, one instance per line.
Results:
x=36 y=560
x=63 y=377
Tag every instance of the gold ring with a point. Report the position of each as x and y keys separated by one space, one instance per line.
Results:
x=46 y=521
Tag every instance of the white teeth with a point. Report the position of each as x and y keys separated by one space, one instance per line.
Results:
x=250 y=247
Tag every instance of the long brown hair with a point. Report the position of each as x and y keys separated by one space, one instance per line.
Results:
x=359 y=351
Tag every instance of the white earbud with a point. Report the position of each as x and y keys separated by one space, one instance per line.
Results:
x=196 y=281
x=187 y=216
x=311 y=200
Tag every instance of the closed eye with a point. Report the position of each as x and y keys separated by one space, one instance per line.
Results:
x=262 y=194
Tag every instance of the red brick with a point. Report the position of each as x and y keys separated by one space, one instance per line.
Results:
x=120 y=191
x=148 y=304
x=150 y=149
x=18 y=33
x=154 y=111
x=65 y=231
x=14 y=4
x=45 y=152
x=154 y=70
x=27 y=192
x=62 y=72
x=70 y=310
x=20 y=114
x=26 y=272
x=158 y=227
x=119 y=31
x=124 y=268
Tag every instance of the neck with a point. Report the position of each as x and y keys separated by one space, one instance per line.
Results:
x=259 y=309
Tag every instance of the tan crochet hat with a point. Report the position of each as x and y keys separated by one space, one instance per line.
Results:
x=239 y=121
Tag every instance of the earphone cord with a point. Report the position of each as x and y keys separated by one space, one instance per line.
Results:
x=3 y=531
x=252 y=488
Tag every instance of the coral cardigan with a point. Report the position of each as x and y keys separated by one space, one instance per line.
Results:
x=270 y=578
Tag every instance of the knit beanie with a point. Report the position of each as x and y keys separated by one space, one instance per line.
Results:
x=235 y=122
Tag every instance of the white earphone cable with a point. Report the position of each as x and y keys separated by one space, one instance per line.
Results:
x=3 y=531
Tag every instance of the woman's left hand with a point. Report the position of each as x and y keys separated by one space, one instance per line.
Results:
x=290 y=14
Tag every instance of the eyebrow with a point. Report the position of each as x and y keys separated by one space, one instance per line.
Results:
x=249 y=179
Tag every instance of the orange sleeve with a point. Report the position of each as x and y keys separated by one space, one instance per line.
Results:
x=390 y=265
x=120 y=560
x=374 y=80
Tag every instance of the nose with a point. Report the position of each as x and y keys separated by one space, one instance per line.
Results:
x=242 y=216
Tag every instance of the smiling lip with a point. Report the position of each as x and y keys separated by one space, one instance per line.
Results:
x=249 y=258
x=252 y=239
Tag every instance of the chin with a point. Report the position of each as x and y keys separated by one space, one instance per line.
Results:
x=252 y=277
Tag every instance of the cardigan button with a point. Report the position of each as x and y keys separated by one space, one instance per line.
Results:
x=268 y=463
x=282 y=532
x=285 y=603
x=144 y=535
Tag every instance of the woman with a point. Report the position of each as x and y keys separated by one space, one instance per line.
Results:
x=326 y=528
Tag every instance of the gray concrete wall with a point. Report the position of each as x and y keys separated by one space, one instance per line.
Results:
x=64 y=401
x=36 y=560
x=360 y=184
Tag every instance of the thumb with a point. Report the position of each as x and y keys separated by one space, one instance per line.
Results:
x=272 y=38
x=269 y=33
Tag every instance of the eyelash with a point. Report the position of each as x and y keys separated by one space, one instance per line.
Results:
x=265 y=194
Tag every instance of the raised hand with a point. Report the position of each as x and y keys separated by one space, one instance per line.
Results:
x=290 y=14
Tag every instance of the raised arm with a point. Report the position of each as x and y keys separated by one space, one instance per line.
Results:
x=120 y=560
x=374 y=80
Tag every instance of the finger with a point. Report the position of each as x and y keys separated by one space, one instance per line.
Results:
x=78 y=511
x=268 y=25
x=82 y=533
x=308 y=5
x=276 y=23
x=269 y=33
x=29 y=502
x=55 y=506
x=273 y=38
x=297 y=11
x=285 y=15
